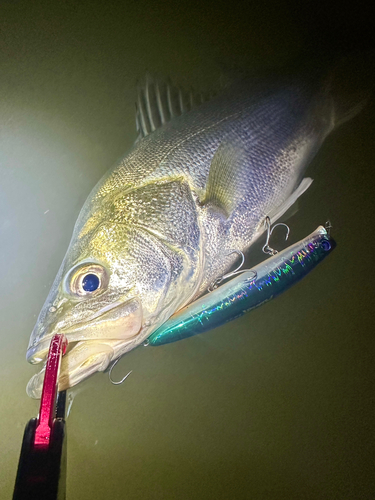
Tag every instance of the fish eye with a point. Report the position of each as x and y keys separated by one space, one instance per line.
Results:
x=326 y=245
x=86 y=279
x=90 y=282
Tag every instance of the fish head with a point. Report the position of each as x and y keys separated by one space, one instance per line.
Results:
x=116 y=284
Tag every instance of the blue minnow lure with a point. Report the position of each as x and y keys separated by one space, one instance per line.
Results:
x=248 y=290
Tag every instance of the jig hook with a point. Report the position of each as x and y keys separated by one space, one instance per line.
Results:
x=267 y=223
x=110 y=374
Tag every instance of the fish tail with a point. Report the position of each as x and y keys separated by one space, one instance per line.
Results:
x=350 y=86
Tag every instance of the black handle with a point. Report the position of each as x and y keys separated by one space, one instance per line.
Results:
x=41 y=473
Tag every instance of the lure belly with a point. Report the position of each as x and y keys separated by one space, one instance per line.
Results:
x=248 y=290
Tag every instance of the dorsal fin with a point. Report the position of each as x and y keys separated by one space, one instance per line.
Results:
x=159 y=101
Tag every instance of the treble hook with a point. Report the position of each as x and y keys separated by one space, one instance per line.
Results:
x=238 y=270
x=110 y=373
x=266 y=248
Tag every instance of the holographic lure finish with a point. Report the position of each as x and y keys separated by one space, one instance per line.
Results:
x=248 y=290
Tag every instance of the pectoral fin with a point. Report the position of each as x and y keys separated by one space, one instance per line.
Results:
x=225 y=180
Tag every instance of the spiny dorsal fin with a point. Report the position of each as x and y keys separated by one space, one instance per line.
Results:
x=159 y=101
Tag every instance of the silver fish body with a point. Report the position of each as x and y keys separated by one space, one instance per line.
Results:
x=158 y=228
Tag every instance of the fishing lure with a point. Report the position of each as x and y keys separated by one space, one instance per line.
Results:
x=248 y=290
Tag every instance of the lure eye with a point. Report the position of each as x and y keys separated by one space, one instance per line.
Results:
x=90 y=283
x=86 y=279
x=326 y=245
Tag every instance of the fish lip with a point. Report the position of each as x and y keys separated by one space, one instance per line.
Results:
x=99 y=360
x=42 y=346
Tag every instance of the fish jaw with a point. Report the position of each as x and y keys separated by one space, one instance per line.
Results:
x=121 y=320
x=85 y=359
x=98 y=340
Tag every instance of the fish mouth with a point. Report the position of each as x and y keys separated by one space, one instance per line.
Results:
x=119 y=321
x=97 y=341
x=83 y=360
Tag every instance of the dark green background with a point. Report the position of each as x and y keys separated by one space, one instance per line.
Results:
x=278 y=404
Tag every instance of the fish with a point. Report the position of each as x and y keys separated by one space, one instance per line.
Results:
x=250 y=289
x=163 y=223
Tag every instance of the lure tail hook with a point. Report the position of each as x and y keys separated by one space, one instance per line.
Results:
x=110 y=374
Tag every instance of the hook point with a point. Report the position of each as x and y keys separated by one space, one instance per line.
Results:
x=110 y=374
